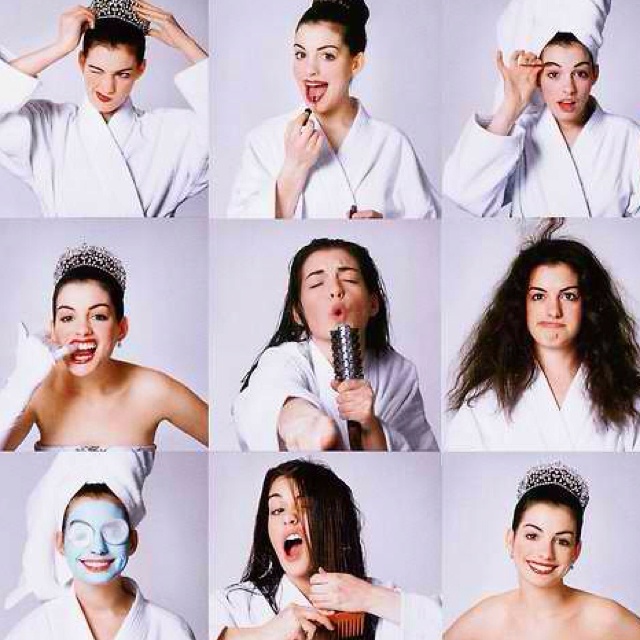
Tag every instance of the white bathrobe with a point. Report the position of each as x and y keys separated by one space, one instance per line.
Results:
x=300 y=370
x=537 y=424
x=244 y=606
x=138 y=164
x=375 y=168
x=63 y=619
x=534 y=172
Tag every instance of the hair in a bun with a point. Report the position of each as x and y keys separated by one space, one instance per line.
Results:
x=351 y=15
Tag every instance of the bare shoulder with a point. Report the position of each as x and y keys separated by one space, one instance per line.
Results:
x=485 y=620
x=150 y=382
x=608 y=617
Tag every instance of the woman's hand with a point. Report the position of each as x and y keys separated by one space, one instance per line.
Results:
x=340 y=592
x=303 y=427
x=368 y=214
x=520 y=82
x=296 y=623
x=166 y=29
x=355 y=401
x=71 y=25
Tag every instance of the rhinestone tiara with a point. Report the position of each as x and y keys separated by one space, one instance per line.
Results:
x=559 y=474
x=87 y=255
x=120 y=9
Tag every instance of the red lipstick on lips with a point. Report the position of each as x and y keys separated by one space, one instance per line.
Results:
x=102 y=97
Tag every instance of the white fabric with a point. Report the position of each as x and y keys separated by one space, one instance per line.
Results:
x=44 y=571
x=534 y=171
x=300 y=370
x=375 y=168
x=243 y=605
x=530 y=24
x=34 y=361
x=137 y=164
x=63 y=619
x=537 y=424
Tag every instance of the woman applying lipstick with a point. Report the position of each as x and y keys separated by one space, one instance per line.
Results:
x=290 y=399
x=553 y=363
x=78 y=394
x=545 y=541
x=548 y=149
x=307 y=563
x=333 y=160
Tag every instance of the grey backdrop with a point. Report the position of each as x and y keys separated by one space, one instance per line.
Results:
x=400 y=83
x=32 y=24
x=170 y=564
x=479 y=497
x=250 y=262
x=166 y=298
x=471 y=76
x=493 y=244
x=401 y=515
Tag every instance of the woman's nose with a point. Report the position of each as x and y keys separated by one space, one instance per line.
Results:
x=99 y=546
x=291 y=517
x=108 y=84
x=312 y=65
x=554 y=308
x=337 y=290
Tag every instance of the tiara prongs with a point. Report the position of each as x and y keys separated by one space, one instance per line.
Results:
x=90 y=256
x=559 y=474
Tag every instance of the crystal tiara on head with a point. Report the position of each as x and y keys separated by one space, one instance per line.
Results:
x=120 y=9
x=87 y=255
x=559 y=474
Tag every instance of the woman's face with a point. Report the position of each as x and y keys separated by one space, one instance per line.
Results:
x=289 y=529
x=566 y=81
x=545 y=545
x=333 y=292
x=554 y=306
x=323 y=66
x=85 y=317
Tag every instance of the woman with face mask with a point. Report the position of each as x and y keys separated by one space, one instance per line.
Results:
x=544 y=542
x=332 y=159
x=106 y=158
x=73 y=388
x=81 y=532
x=549 y=149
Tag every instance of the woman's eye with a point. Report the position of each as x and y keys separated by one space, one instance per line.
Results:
x=564 y=543
x=65 y=318
x=101 y=317
x=329 y=56
x=583 y=75
x=536 y=297
x=552 y=75
x=315 y=285
x=571 y=296
x=277 y=511
x=530 y=536
x=299 y=55
x=125 y=75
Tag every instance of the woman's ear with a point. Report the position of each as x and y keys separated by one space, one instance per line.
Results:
x=375 y=306
x=357 y=63
x=508 y=540
x=123 y=328
x=133 y=541
x=60 y=542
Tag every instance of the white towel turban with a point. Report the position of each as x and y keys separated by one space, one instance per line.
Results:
x=44 y=571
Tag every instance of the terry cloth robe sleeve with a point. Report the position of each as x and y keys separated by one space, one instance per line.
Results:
x=281 y=374
x=478 y=174
x=421 y=617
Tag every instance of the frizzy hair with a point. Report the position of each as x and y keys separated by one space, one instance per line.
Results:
x=293 y=327
x=334 y=529
x=350 y=15
x=499 y=354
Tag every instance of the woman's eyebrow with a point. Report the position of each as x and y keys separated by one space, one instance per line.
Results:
x=317 y=272
x=533 y=526
x=328 y=46
x=274 y=495
x=564 y=533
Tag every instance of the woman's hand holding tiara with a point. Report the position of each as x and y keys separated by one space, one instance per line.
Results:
x=166 y=28
x=520 y=78
x=71 y=25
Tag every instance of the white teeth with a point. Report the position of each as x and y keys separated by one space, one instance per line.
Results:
x=86 y=346
x=97 y=564
x=541 y=568
x=294 y=537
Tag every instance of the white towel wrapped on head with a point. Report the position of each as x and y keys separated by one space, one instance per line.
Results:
x=44 y=570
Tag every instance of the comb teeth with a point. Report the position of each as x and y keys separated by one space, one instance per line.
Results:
x=348 y=624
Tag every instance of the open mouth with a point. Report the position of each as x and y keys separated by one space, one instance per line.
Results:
x=315 y=91
x=102 y=97
x=568 y=106
x=338 y=313
x=540 y=568
x=84 y=351
x=293 y=546
x=97 y=566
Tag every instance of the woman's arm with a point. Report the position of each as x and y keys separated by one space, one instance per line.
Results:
x=72 y=24
x=304 y=427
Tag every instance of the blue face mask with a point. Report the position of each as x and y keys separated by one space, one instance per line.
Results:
x=96 y=541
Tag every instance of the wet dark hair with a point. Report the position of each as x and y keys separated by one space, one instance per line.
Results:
x=350 y=15
x=499 y=353
x=549 y=494
x=334 y=530
x=106 y=282
x=567 y=39
x=112 y=32
x=94 y=490
x=288 y=330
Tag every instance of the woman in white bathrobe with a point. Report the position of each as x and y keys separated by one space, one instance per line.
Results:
x=565 y=157
x=290 y=398
x=106 y=158
x=72 y=388
x=307 y=564
x=332 y=160
x=544 y=542
x=553 y=363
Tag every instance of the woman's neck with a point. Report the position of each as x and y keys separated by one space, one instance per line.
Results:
x=110 y=597
x=337 y=123
x=303 y=584
x=544 y=601
x=559 y=367
x=100 y=382
x=325 y=346
x=571 y=130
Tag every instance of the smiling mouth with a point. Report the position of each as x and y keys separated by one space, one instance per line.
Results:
x=315 y=91
x=293 y=546
x=97 y=566
x=540 y=568
x=84 y=351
